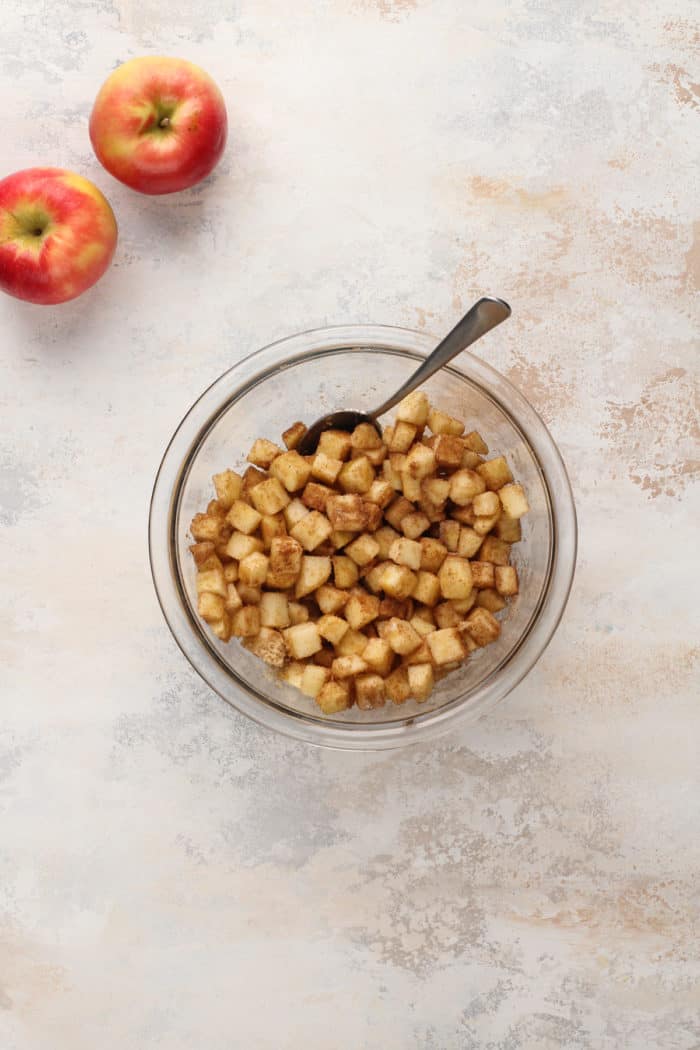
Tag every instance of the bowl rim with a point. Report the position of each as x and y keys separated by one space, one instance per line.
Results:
x=164 y=519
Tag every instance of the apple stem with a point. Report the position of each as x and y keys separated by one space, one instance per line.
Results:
x=164 y=123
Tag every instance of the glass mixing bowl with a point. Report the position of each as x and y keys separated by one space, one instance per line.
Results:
x=357 y=366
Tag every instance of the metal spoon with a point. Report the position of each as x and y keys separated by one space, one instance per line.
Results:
x=483 y=316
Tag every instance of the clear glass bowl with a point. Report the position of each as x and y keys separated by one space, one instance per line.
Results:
x=357 y=366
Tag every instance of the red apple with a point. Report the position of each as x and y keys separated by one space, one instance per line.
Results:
x=159 y=124
x=57 y=235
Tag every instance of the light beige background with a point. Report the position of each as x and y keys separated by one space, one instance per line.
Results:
x=171 y=876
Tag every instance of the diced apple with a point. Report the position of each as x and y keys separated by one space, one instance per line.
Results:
x=482 y=574
x=313 y=679
x=397 y=687
x=495 y=473
x=245 y=622
x=490 y=599
x=465 y=485
x=365 y=436
x=401 y=636
x=414 y=409
x=335 y=443
x=228 y=487
x=427 y=588
x=378 y=654
x=398 y=581
x=293 y=435
x=315 y=570
x=482 y=626
x=263 y=453
x=325 y=468
x=331 y=599
x=448 y=451
x=406 y=552
x=302 y=640
x=449 y=534
x=334 y=697
x=347 y=513
x=476 y=443
x=446 y=646
x=253 y=569
x=495 y=550
x=211 y=607
x=442 y=423
x=348 y=666
x=421 y=681
x=274 y=610
x=361 y=609
x=469 y=542
x=312 y=530
x=506 y=577
x=345 y=571
x=269 y=646
x=332 y=628
x=369 y=691
x=269 y=497
x=514 y=500
x=291 y=470
x=240 y=546
x=455 y=577
x=363 y=550
x=356 y=476
x=413 y=525
x=402 y=437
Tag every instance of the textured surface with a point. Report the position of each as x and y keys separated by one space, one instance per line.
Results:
x=171 y=876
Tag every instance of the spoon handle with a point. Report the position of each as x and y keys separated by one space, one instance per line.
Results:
x=483 y=316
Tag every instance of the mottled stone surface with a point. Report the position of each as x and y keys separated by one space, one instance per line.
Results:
x=172 y=876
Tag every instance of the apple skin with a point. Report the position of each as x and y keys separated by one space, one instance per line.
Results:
x=159 y=124
x=57 y=235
